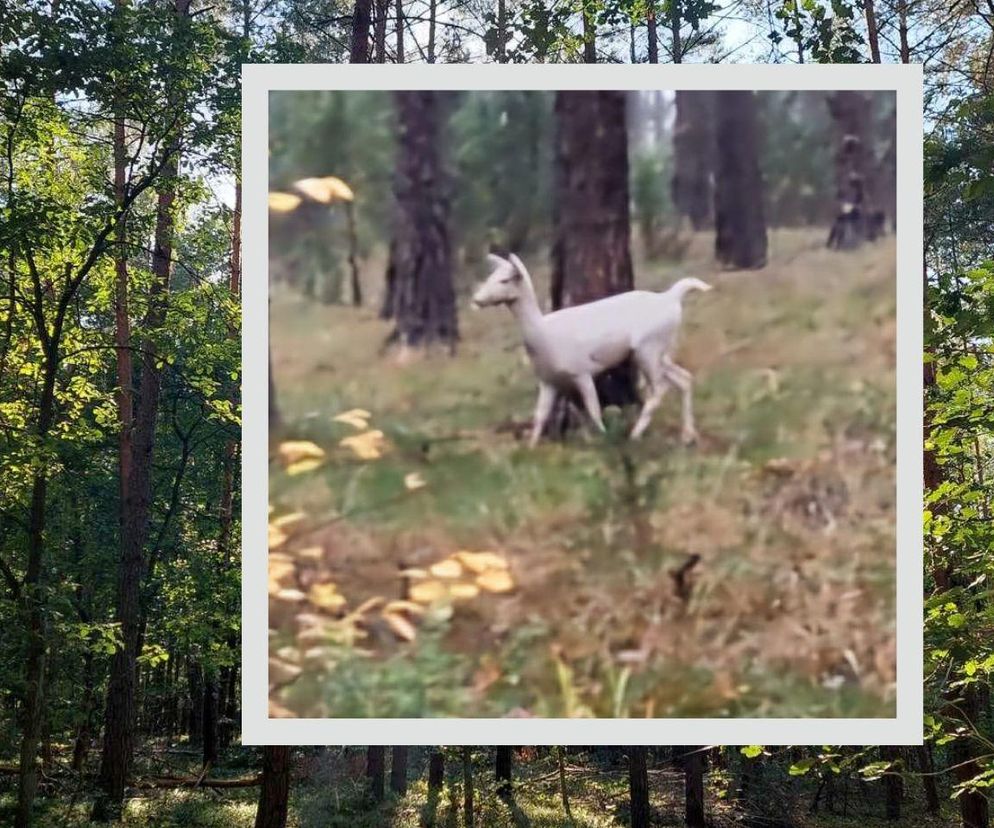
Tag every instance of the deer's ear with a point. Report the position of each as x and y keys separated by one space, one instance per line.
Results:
x=496 y=260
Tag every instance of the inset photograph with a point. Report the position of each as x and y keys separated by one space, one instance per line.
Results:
x=582 y=404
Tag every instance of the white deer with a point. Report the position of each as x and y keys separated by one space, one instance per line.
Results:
x=569 y=347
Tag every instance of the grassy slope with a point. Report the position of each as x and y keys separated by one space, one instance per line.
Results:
x=789 y=501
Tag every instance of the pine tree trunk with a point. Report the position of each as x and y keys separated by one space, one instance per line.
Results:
x=872 y=34
x=375 y=769
x=652 y=35
x=361 y=18
x=675 y=31
x=274 y=795
x=501 y=50
x=468 y=810
x=589 y=36
x=399 y=12
x=591 y=254
x=432 y=16
x=638 y=786
x=902 y=31
x=693 y=761
x=398 y=770
x=740 y=241
x=210 y=724
x=422 y=298
x=119 y=719
x=503 y=771
x=854 y=189
x=694 y=157
x=436 y=778
x=893 y=784
x=380 y=34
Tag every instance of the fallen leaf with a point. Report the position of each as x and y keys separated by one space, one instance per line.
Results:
x=464 y=591
x=369 y=604
x=302 y=466
x=290 y=451
x=480 y=562
x=326 y=189
x=326 y=596
x=277 y=537
x=401 y=605
x=366 y=446
x=311 y=553
x=414 y=574
x=401 y=627
x=448 y=568
x=357 y=418
x=427 y=592
x=286 y=520
x=495 y=580
x=282 y=673
x=278 y=711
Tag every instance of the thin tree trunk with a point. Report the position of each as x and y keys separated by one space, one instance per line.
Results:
x=652 y=35
x=436 y=778
x=380 y=31
x=854 y=190
x=740 y=241
x=361 y=18
x=432 y=15
x=399 y=31
x=693 y=761
x=274 y=796
x=638 y=786
x=501 y=50
x=902 y=31
x=398 y=770
x=973 y=806
x=468 y=811
x=210 y=725
x=675 y=22
x=375 y=770
x=893 y=784
x=872 y=35
x=589 y=36
x=195 y=688
x=926 y=767
x=503 y=771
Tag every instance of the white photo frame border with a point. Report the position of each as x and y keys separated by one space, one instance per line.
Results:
x=906 y=728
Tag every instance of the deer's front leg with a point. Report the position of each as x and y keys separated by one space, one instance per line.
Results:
x=543 y=407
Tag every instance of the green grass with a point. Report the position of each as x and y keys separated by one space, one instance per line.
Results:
x=791 y=608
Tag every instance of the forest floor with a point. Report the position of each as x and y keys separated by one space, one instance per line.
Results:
x=329 y=790
x=788 y=500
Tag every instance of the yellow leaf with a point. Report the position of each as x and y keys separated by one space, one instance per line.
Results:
x=427 y=592
x=369 y=604
x=356 y=417
x=283 y=202
x=448 y=568
x=464 y=591
x=277 y=537
x=480 y=562
x=278 y=711
x=291 y=451
x=326 y=596
x=292 y=596
x=414 y=480
x=286 y=520
x=303 y=466
x=367 y=446
x=495 y=580
x=414 y=574
x=311 y=553
x=326 y=190
x=401 y=627
x=401 y=605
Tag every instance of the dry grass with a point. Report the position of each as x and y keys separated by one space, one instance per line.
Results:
x=783 y=516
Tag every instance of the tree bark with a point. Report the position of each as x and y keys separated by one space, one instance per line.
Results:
x=854 y=190
x=973 y=806
x=503 y=771
x=694 y=157
x=119 y=719
x=274 y=797
x=638 y=786
x=740 y=241
x=652 y=35
x=591 y=254
x=422 y=300
x=380 y=35
x=926 y=767
x=468 y=810
x=589 y=36
x=693 y=761
x=893 y=784
x=675 y=31
x=872 y=34
x=398 y=770
x=399 y=12
x=432 y=16
x=210 y=723
x=361 y=19
x=902 y=31
x=501 y=46
x=375 y=769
